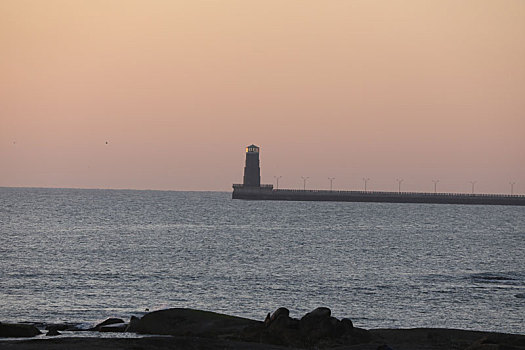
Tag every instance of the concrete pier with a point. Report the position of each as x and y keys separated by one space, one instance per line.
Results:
x=266 y=192
x=251 y=189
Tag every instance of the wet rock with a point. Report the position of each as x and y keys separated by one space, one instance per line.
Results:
x=347 y=325
x=107 y=322
x=316 y=328
x=114 y=327
x=18 y=330
x=194 y=322
x=52 y=332
x=267 y=320
x=133 y=323
x=317 y=325
x=284 y=321
x=283 y=330
x=320 y=312
x=324 y=328
x=282 y=311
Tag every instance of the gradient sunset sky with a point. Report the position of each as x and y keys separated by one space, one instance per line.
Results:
x=384 y=89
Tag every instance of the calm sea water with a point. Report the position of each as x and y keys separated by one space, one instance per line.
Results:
x=85 y=255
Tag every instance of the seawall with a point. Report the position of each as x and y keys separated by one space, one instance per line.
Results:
x=267 y=193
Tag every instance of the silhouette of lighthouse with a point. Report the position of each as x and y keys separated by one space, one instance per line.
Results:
x=252 y=171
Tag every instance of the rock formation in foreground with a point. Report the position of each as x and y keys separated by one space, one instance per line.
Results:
x=316 y=328
x=18 y=330
x=204 y=330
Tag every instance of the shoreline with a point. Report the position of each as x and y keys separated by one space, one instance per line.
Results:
x=195 y=329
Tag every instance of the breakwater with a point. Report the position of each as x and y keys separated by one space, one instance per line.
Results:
x=267 y=192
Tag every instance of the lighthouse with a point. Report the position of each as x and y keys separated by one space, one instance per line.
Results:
x=252 y=171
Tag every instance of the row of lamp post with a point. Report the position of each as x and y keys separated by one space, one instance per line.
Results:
x=399 y=181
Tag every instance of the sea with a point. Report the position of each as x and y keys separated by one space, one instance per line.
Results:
x=83 y=255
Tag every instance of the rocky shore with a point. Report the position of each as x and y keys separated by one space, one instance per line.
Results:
x=195 y=329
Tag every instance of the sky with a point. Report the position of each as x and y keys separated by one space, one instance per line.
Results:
x=167 y=94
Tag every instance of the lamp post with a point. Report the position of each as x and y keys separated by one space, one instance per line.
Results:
x=512 y=183
x=472 y=183
x=399 y=184
x=365 y=180
x=331 y=180
x=435 y=185
x=304 y=181
x=277 y=180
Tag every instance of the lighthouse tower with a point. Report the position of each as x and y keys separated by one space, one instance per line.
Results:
x=252 y=172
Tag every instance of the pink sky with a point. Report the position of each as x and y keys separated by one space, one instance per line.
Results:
x=418 y=90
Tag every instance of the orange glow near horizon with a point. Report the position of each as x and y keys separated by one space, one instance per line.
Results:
x=167 y=94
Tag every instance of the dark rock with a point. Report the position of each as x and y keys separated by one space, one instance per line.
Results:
x=52 y=332
x=133 y=323
x=315 y=329
x=106 y=323
x=114 y=327
x=194 y=322
x=317 y=325
x=319 y=312
x=283 y=331
x=347 y=324
x=17 y=330
x=267 y=320
x=499 y=341
x=358 y=336
x=282 y=311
